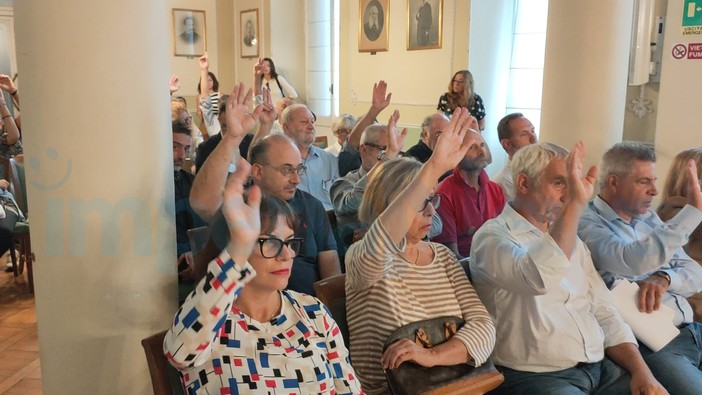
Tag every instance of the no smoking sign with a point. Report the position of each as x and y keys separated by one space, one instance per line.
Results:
x=679 y=51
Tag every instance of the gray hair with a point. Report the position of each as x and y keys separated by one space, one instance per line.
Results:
x=287 y=113
x=372 y=133
x=345 y=121
x=533 y=159
x=619 y=159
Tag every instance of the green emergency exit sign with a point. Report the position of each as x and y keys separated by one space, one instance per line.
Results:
x=692 y=13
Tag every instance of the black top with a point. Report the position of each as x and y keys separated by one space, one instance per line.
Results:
x=206 y=147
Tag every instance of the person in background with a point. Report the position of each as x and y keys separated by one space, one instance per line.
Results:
x=461 y=93
x=265 y=76
x=8 y=85
x=673 y=200
x=395 y=278
x=514 y=131
x=240 y=331
x=341 y=129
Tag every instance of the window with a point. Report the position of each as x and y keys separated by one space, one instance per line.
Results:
x=322 y=58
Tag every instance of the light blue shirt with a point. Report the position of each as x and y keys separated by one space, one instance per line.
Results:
x=322 y=170
x=635 y=250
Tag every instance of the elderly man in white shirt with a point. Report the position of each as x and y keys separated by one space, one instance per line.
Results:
x=557 y=329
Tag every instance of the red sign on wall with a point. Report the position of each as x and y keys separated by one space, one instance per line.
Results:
x=694 y=51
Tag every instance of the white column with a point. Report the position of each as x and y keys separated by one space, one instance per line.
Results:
x=94 y=78
x=585 y=73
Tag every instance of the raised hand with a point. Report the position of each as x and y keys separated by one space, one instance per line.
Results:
x=204 y=62
x=174 y=84
x=268 y=111
x=396 y=140
x=580 y=188
x=6 y=83
x=239 y=120
x=258 y=68
x=380 y=100
x=694 y=194
x=243 y=218
x=452 y=144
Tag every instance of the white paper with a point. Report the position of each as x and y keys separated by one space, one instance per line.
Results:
x=655 y=329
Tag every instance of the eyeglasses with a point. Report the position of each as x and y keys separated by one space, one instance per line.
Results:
x=271 y=247
x=380 y=147
x=435 y=201
x=288 y=170
x=459 y=81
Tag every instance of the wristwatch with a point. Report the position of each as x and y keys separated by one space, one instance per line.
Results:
x=382 y=156
x=663 y=274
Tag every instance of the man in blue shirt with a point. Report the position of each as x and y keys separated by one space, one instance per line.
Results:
x=322 y=167
x=628 y=241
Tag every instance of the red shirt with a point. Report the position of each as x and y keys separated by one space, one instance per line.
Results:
x=463 y=209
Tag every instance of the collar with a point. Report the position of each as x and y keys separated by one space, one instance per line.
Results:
x=516 y=223
x=482 y=178
x=605 y=210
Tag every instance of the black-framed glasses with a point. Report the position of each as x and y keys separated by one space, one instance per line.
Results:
x=271 y=247
x=458 y=81
x=380 y=147
x=288 y=170
x=435 y=201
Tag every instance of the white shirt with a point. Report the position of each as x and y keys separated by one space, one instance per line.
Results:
x=504 y=178
x=551 y=313
x=276 y=94
x=334 y=148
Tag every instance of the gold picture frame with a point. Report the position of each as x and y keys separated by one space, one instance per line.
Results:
x=424 y=24
x=189 y=33
x=250 y=34
x=373 y=25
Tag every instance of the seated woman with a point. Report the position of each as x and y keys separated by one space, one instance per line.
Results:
x=9 y=215
x=395 y=278
x=341 y=129
x=673 y=200
x=462 y=94
x=240 y=331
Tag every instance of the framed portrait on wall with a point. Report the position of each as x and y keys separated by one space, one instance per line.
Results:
x=249 y=33
x=424 y=24
x=373 y=27
x=189 y=33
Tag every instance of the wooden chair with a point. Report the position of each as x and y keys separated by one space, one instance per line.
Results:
x=332 y=292
x=165 y=379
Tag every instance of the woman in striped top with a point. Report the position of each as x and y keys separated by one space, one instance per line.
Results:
x=394 y=278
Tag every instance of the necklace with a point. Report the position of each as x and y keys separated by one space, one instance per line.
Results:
x=415 y=260
x=269 y=316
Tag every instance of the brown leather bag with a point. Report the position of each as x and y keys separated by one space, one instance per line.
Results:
x=411 y=378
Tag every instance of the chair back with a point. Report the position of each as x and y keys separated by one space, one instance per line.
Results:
x=332 y=292
x=165 y=379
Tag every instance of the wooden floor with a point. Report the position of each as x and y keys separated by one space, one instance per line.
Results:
x=20 y=373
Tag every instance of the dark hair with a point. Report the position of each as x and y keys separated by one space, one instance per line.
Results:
x=215 y=83
x=180 y=127
x=223 y=104
x=274 y=74
x=180 y=98
x=271 y=208
x=259 y=151
x=504 y=132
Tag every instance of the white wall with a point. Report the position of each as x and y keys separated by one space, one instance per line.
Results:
x=679 y=102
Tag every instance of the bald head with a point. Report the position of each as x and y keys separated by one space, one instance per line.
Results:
x=432 y=127
x=475 y=159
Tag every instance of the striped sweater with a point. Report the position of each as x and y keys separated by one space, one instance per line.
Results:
x=384 y=292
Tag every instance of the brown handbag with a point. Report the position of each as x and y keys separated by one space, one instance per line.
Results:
x=411 y=378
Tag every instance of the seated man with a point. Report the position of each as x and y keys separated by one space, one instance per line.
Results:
x=628 y=241
x=349 y=157
x=468 y=199
x=322 y=167
x=514 y=131
x=276 y=168
x=431 y=130
x=347 y=192
x=557 y=329
x=185 y=217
